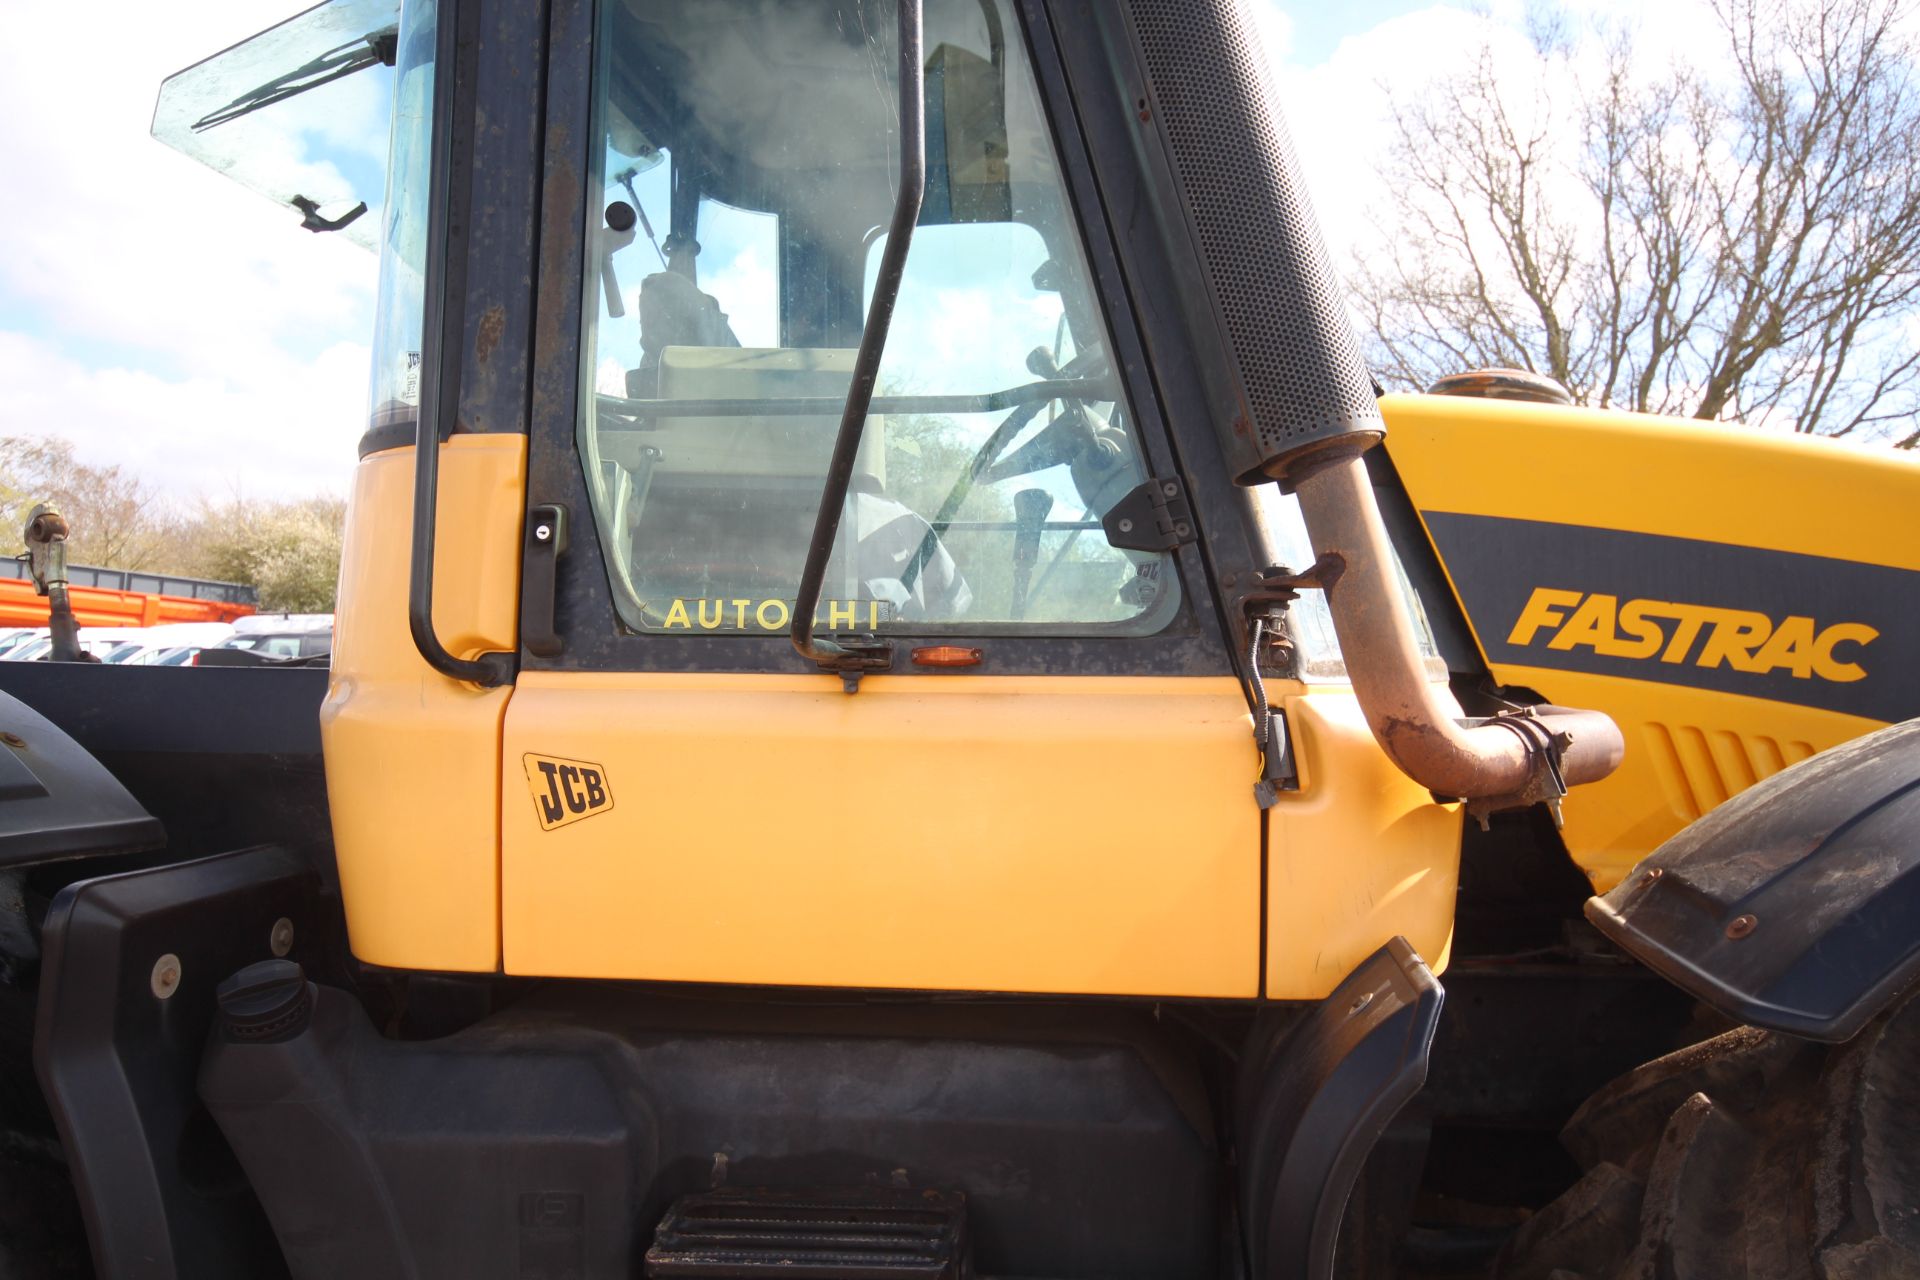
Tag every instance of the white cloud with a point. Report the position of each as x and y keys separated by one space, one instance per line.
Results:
x=150 y=310
x=1276 y=31
x=277 y=426
x=1337 y=110
x=749 y=295
x=610 y=377
x=164 y=318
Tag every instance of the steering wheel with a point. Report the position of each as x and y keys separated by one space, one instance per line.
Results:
x=1070 y=438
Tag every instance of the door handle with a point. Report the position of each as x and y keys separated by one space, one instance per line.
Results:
x=540 y=571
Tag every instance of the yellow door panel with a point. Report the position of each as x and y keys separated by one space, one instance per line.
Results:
x=1359 y=854
x=1735 y=599
x=413 y=759
x=1038 y=834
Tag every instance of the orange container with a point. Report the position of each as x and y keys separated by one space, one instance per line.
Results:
x=100 y=607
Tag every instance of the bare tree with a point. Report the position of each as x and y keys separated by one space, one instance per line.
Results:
x=1743 y=243
x=118 y=521
x=288 y=549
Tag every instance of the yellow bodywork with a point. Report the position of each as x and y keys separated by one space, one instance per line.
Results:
x=982 y=833
x=1038 y=834
x=413 y=758
x=1688 y=749
x=1360 y=853
x=1074 y=835
x=1083 y=835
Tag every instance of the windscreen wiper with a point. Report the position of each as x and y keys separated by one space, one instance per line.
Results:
x=852 y=661
x=380 y=48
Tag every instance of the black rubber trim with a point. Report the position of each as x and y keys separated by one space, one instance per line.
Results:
x=119 y=1064
x=1317 y=1099
x=394 y=435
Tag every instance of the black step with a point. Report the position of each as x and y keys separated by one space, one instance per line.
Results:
x=863 y=1234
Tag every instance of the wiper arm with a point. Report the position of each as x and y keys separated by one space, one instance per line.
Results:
x=380 y=48
x=850 y=662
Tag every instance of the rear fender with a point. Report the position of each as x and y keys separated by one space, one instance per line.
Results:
x=126 y=1000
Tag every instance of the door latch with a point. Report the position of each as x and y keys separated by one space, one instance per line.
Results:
x=540 y=574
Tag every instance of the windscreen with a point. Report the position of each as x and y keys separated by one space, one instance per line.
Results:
x=746 y=155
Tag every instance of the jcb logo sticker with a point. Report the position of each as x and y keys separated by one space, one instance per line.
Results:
x=566 y=790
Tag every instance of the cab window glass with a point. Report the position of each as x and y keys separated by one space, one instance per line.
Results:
x=743 y=188
x=400 y=318
x=1309 y=621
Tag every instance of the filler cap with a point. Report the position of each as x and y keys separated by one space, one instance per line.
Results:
x=1502 y=384
x=265 y=1002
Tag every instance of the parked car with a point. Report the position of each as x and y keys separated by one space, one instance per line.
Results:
x=143 y=646
x=17 y=638
x=121 y=646
x=265 y=639
x=37 y=649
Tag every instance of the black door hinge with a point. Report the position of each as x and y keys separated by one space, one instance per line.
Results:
x=1154 y=516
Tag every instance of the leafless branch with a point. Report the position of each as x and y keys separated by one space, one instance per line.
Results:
x=1739 y=241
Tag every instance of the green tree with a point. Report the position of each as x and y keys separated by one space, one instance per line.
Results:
x=288 y=551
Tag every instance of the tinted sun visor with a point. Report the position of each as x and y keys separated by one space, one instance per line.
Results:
x=298 y=113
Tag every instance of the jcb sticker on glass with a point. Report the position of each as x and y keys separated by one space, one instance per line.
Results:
x=566 y=790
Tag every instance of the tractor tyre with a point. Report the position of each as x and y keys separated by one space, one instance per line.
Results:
x=1751 y=1156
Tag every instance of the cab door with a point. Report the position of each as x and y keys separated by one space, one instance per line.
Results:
x=1048 y=789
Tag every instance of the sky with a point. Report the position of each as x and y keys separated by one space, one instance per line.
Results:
x=163 y=319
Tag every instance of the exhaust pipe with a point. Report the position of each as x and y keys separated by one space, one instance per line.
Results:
x=1292 y=400
x=1503 y=763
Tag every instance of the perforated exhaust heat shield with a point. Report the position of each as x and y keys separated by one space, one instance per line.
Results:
x=1294 y=388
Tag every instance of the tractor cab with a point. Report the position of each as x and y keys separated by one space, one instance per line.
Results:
x=880 y=717
x=887 y=717
x=637 y=261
